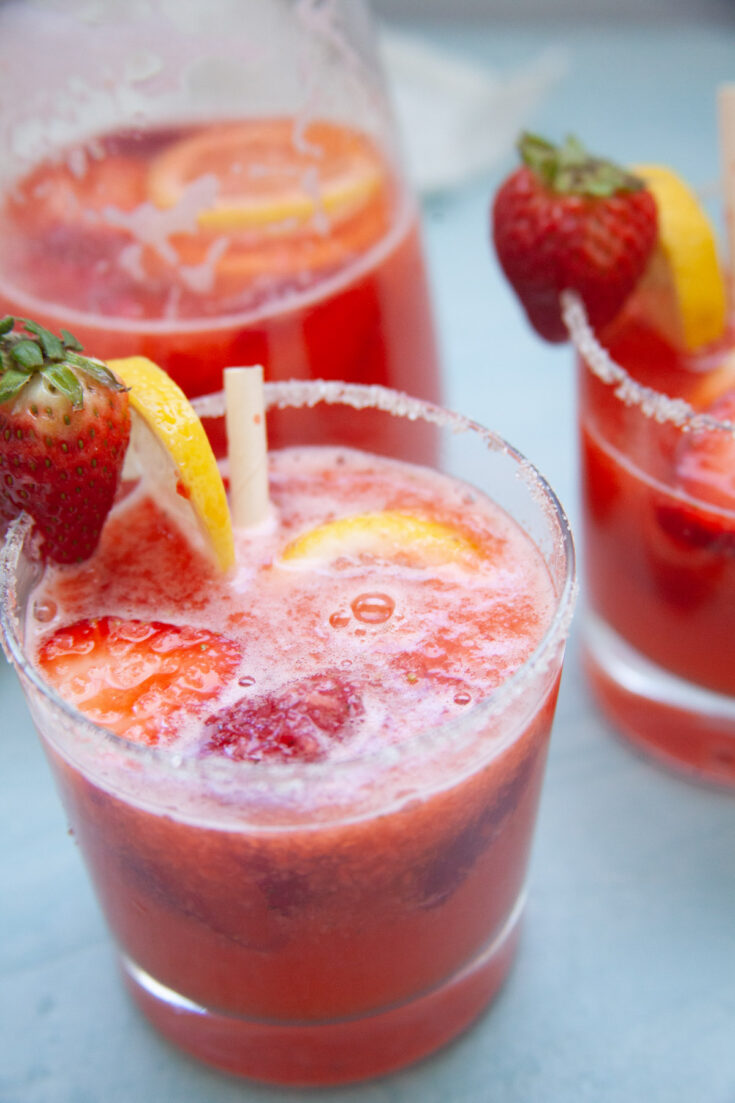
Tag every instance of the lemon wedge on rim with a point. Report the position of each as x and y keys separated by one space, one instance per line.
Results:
x=683 y=286
x=387 y=535
x=193 y=480
x=268 y=175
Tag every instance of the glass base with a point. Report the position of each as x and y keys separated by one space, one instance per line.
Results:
x=311 y=1054
x=685 y=726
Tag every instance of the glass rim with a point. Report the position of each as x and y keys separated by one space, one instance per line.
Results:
x=297 y=394
x=654 y=405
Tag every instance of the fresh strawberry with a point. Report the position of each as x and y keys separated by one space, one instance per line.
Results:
x=705 y=464
x=299 y=722
x=138 y=678
x=567 y=221
x=64 y=430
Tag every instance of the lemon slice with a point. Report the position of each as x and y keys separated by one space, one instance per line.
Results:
x=683 y=287
x=194 y=484
x=269 y=175
x=387 y=535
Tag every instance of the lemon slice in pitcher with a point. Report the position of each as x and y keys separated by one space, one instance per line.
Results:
x=388 y=535
x=190 y=482
x=270 y=173
x=683 y=288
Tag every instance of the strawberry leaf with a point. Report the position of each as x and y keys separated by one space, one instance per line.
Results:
x=27 y=354
x=569 y=169
x=57 y=359
x=96 y=369
x=63 y=378
x=539 y=155
x=70 y=341
x=52 y=347
x=11 y=382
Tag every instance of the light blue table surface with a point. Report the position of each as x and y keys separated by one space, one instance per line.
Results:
x=624 y=989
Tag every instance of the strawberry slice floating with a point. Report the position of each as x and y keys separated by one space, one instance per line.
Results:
x=567 y=221
x=297 y=723
x=705 y=465
x=136 y=677
x=64 y=431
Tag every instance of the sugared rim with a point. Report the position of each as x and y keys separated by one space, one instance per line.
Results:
x=297 y=394
x=654 y=404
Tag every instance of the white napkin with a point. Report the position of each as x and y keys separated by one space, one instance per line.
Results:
x=458 y=118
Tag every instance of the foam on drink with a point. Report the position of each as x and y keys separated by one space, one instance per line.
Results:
x=414 y=635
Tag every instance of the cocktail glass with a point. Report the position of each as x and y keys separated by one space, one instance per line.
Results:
x=659 y=547
x=211 y=182
x=311 y=922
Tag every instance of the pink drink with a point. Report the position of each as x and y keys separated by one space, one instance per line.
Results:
x=317 y=874
x=660 y=543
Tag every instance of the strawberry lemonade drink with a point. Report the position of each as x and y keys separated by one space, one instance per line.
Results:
x=259 y=218
x=658 y=472
x=303 y=765
x=657 y=411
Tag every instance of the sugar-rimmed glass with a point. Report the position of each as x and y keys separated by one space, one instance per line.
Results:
x=395 y=880
x=659 y=563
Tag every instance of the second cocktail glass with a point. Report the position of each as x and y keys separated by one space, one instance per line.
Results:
x=659 y=544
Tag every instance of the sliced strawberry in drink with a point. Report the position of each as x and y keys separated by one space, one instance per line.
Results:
x=705 y=526
x=690 y=529
x=297 y=723
x=137 y=678
x=705 y=465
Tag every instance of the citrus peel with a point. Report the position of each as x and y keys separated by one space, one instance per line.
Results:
x=268 y=175
x=683 y=288
x=166 y=412
x=386 y=535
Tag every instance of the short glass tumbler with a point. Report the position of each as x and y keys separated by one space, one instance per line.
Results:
x=311 y=923
x=659 y=548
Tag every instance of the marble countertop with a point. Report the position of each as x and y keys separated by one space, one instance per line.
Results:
x=624 y=988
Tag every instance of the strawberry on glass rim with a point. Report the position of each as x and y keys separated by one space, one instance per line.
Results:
x=71 y=427
x=568 y=221
x=625 y=263
x=64 y=432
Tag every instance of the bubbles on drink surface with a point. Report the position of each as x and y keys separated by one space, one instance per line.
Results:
x=339 y=619
x=368 y=608
x=373 y=608
x=44 y=611
x=295 y=659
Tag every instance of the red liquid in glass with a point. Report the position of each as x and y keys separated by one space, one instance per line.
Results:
x=345 y=943
x=660 y=562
